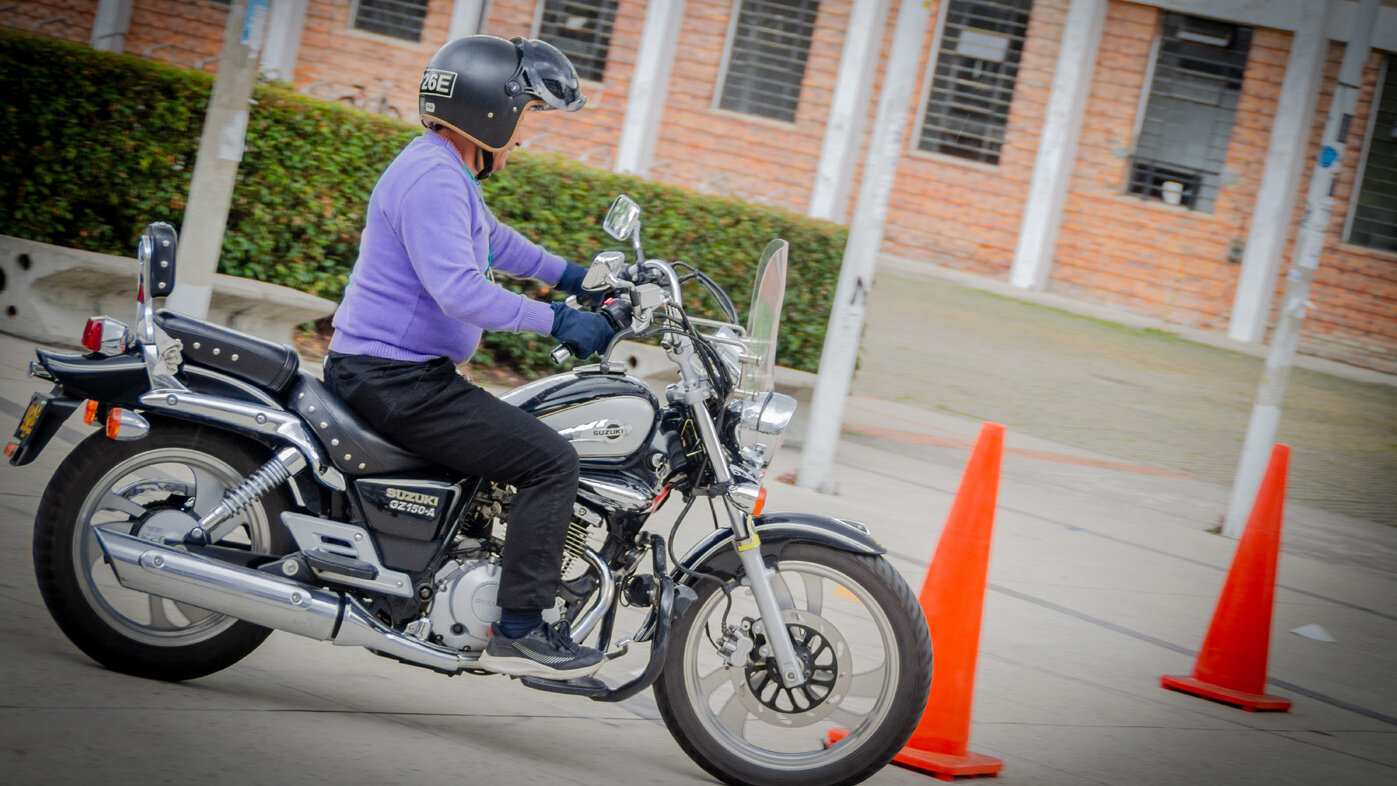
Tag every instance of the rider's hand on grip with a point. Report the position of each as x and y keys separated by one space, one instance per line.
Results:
x=583 y=332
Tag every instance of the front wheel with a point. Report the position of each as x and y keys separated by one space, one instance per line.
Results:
x=863 y=640
x=108 y=483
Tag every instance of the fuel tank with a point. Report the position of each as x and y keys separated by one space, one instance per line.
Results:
x=604 y=416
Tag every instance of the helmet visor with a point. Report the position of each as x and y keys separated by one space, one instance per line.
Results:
x=548 y=75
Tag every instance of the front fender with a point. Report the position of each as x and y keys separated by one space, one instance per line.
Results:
x=776 y=529
x=716 y=553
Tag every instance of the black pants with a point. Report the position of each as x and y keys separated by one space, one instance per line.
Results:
x=436 y=413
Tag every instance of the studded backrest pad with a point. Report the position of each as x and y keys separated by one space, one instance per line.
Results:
x=352 y=446
x=266 y=364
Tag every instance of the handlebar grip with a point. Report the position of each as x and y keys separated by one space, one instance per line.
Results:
x=560 y=354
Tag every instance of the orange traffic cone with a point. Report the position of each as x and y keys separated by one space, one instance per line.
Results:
x=1231 y=666
x=953 y=598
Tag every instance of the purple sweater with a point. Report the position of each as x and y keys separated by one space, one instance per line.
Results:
x=419 y=288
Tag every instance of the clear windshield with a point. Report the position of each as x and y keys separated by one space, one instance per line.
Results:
x=764 y=320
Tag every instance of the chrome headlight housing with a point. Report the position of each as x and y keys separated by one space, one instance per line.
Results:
x=759 y=426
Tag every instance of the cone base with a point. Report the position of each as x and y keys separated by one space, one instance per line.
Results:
x=1251 y=702
x=943 y=766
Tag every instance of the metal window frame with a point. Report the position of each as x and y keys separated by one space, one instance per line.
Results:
x=536 y=30
x=1389 y=62
x=726 y=62
x=352 y=23
x=938 y=43
x=1202 y=202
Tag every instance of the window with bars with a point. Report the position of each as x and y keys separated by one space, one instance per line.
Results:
x=766 y=57
x=1374 y=222
x=397 y=18
x=582 y=30
x=1183 y=140
x=972 y=82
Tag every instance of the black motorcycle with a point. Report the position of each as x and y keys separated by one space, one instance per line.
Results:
x=228 y=493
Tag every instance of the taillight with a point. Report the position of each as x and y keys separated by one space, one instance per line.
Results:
x=106 y=336
x=92 y=334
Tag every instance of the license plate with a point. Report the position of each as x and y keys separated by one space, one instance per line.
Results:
x=32 y=416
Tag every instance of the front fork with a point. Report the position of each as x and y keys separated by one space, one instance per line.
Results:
x=759 y=578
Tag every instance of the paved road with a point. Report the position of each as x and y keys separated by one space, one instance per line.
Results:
x=1102 y=578
x=1136 y=393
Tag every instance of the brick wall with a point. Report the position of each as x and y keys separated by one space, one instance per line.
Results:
x=68 y=20
x=965 y=214
x=591 y=134
x=334 y=56
x=1157 y=259
x=1161 y=259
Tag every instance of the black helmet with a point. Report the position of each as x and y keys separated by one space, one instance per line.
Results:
x=481 y=85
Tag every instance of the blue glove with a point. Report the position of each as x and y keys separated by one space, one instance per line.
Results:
x=571 y=282
x=584 y=332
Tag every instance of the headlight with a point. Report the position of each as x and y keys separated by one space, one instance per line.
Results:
x=760 y=425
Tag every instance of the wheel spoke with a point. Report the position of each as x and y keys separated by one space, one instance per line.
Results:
x=846 y=719
x=733 y=716
x=93 y=556
x=712 y=680
x=784 y=599
x=120 y=504
x=208 y=491
x=159 y=620
x=814 y=593
x=194 y=614
x=868 y=684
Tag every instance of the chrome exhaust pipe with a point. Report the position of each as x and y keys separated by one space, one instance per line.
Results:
x=263 y=599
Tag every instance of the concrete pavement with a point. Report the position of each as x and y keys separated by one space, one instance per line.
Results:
x=1102 y=578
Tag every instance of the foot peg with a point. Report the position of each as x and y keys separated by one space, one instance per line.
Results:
x=330 y=562
x=579 y=686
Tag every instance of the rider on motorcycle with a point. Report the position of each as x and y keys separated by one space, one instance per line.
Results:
x=418 y=298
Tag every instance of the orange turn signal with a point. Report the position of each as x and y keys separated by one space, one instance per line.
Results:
x=761 y=502
x=114 y=422
x=89 y=414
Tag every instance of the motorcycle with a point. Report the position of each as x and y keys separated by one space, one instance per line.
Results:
x=228 y=493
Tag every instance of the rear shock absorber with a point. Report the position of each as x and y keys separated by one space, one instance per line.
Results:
x=214 y=525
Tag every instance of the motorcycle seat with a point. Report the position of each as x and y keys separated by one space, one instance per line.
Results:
x=353 y=447
x=266 y=364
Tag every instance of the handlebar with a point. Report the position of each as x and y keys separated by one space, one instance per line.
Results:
x=617 y=311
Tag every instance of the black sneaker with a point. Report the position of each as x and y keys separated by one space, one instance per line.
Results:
x=547 y=651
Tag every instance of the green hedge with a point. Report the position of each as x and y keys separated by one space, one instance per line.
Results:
x=93 y=146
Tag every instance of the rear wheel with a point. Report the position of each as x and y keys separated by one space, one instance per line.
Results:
x=104 y=482
x=863 y=640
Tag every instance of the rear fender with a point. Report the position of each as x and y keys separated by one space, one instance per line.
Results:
x=119 y=379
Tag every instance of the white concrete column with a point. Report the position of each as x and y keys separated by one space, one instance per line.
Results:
x=467 y=18
x=283 y=46
x=1285 y=163
x=645 y=106
x=1057 y=145
x=858 y=63
x=840 y=353
x=111 y=24
x=1304 y=260
x=220 y=152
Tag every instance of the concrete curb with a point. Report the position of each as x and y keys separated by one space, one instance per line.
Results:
x=47 y=292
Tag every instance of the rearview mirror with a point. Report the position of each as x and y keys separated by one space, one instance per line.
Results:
x=623 y=219
x=606 y=266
